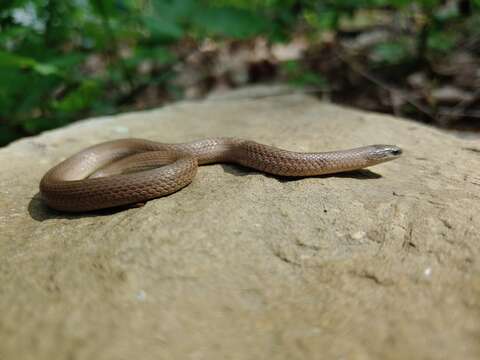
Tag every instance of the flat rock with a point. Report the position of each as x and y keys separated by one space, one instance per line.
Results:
x=377 y=264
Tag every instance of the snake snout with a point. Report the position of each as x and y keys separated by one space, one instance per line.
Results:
x=383 y=153
x=394 y=150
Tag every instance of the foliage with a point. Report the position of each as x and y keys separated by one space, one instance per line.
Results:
x=65 y=59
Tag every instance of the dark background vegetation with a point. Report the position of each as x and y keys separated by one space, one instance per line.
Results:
x=62 y=60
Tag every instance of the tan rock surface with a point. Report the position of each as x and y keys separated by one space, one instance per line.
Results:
x=238 y=265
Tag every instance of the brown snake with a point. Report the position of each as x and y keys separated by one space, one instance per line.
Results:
x=127 y=171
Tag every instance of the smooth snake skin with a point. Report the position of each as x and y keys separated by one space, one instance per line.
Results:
x=127 y=171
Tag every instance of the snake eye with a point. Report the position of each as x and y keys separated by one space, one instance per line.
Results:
x=396 y=151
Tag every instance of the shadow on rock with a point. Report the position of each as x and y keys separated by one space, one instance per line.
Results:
x=39 y=211
x=362 y=174
x=239 y=170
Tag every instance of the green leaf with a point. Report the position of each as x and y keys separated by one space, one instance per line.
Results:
x=22 y=62
x=81 y=98
x=176 y=10
x=12 y=60
x=442 y=41
x=231 y=22
x=324 y=20
x=399 y=3
x=299 y=76
x=159 y=55
x=429 y=4
x=45 y=69
x=163 y=29
x=390 y=53
x=68 y=62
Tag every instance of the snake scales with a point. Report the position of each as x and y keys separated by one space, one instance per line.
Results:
x=126 y=171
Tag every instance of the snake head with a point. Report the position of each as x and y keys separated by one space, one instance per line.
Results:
x=382 y=153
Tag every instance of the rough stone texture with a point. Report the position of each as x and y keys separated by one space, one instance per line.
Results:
x=238 y=265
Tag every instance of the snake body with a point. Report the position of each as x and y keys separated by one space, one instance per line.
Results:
x=127 y=171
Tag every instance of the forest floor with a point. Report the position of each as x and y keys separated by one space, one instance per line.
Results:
x=349 y=70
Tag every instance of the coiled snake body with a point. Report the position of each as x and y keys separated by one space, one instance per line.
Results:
x=129 y=171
